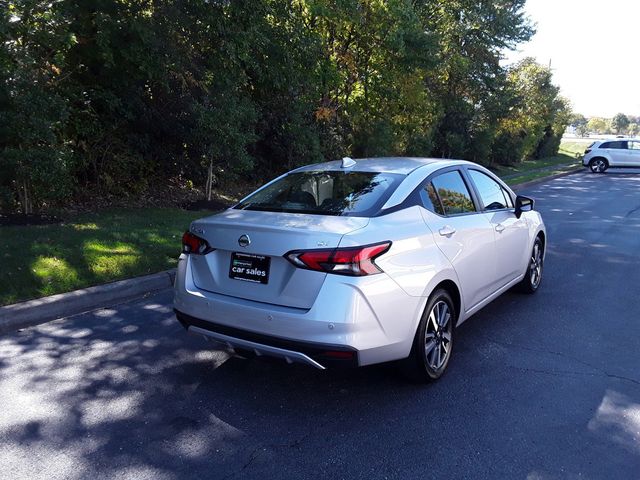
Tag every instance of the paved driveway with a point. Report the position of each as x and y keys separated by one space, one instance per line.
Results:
x=544 y=386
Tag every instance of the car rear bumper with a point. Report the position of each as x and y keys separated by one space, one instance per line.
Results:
x=372 y=317
x=314 y=354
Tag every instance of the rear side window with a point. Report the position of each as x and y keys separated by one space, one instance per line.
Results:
x=493 y=196
x=325 y=193
x=619 y=145
x=453 y=193
x=431 y=200
x=634 y=146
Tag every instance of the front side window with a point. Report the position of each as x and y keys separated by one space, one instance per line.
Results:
x=325 y=193
x=493 y=196
x=453 y=193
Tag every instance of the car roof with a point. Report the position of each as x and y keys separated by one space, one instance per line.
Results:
x=617 y=139
x=401 y=165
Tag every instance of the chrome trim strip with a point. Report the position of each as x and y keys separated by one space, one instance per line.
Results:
x=288 y=355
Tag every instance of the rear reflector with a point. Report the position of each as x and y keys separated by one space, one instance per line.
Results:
x=193 y=244
x=352 y=261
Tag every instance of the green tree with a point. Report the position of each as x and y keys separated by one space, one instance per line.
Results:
x=537 y=116
x=619 y=123
x=598 y=125
x=34 y=154
x=468 y=80
x=579 y=123
x=110 y=98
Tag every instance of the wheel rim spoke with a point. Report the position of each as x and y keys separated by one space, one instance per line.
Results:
x=437 y=340
x=433 y=320
x=432 y=360
x=428 y=348
x=536 y=265
x=443 y=318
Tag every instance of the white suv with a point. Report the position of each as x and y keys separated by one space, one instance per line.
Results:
x=603 y=154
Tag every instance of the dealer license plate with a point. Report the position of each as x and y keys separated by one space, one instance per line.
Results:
x=250 y=268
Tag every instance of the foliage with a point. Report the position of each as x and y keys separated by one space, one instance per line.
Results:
x=110 y=97
x=598 y=125
x=537 y=115
x=619 y=123
x=579 y=123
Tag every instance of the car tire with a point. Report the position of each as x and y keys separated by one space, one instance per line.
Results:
x=433 y=342
x=532 y=279
x=598 y=165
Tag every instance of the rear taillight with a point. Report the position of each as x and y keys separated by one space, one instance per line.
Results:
x=353 y=261
x=587 y=151
x=195 y=245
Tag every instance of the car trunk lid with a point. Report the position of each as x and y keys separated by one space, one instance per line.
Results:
x=248 y=261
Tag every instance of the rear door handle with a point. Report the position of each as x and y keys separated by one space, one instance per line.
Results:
x=447 y=231
x=499 y=228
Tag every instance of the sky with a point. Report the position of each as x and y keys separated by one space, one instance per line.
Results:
x=593 y=48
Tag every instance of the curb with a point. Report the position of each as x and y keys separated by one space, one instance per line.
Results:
x=537 y=181
x=41 y=310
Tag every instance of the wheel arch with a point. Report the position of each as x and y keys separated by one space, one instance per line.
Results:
x=452 y=289
x=542 y=235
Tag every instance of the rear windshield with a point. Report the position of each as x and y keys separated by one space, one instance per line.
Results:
x=325 y=193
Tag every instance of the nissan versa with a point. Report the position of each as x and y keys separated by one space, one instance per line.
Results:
x=359 y=262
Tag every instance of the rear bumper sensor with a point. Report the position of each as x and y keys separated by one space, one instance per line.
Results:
x=288 y=355
x=318 y=355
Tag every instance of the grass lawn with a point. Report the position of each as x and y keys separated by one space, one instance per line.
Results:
x=533 y=175
x=89 y=249
x=531 y=169
x=574 y=147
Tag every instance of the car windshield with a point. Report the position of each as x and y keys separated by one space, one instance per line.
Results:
x=325 y=193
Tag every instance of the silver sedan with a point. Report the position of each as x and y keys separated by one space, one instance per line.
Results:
x=357 y=262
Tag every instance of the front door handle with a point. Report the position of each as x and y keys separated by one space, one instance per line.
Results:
x=499 y=228
x=447 y=231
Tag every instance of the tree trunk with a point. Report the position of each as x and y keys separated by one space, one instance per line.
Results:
x=209 y=187
x=27 y=206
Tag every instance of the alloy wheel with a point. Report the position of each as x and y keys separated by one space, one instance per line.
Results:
x=598 y=166
x=535 y=268
x=437 y=347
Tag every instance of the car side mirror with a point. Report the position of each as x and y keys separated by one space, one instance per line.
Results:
x=523 y=204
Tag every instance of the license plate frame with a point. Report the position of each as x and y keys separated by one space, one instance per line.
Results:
x=249 y=267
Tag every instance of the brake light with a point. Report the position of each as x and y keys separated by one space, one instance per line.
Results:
x=587 y=151
x=352 y=261
x=195 y=245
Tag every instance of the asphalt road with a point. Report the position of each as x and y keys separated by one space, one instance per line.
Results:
x=542 y=386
